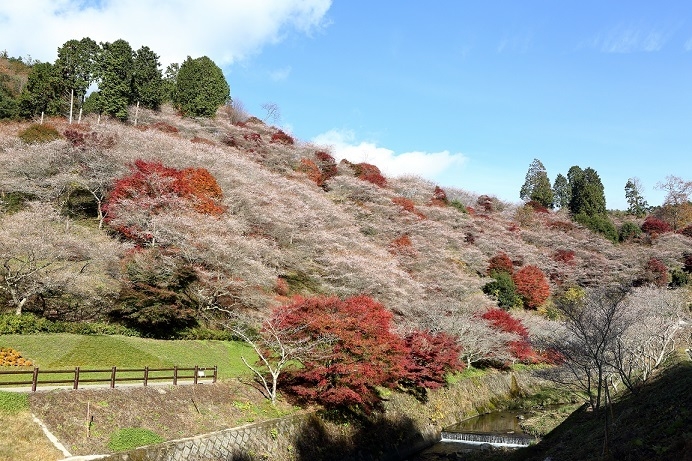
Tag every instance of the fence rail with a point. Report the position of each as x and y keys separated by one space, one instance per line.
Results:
x=145 y=375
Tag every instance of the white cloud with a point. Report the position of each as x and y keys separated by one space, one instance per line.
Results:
x=279 y=75
x=430 y=165
x=224 y=30
x=631 y=39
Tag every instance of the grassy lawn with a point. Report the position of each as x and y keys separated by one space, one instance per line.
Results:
x=66 y=351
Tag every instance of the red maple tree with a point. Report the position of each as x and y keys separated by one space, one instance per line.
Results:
x=430 y=357
x=362 y=355
x=532 y=285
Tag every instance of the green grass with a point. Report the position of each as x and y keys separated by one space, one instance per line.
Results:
x=62 y=350
x=13 y=403
x=133 y=437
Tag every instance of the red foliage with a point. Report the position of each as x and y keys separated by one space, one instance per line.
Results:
x=564 y=256
x=500 y=263
x=687 y=262
x=532 y=286
x=430 y=357
x=367 y=172
x=76 y=138
x=362 y=355
x=439 y=197
x=503 y=321
x=537 y=206
x=312 y=171
x=654 y=226
x=406 y=204
x=487 y=203
x=164 y=127
x=253 y=137
x=687 y=231
x=281 y=287
x=563 y=226
x=153 y=187
x=281 y=137
x=327 y=165
x=656 y=272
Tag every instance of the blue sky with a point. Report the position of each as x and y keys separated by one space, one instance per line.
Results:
x=464 y=93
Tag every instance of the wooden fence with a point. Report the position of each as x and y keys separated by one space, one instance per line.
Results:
x=79 y=375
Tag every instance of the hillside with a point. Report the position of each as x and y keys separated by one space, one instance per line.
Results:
x=285 y=229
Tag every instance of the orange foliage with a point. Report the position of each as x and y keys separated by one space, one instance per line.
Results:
x=532 y=286
x=11 y=358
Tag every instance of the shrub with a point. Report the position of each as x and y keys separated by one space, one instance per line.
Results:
x=164 y=128
x=532 y=285
x=36 y=133
x=459 y=206
x=25 y=324
x=564 y=256
x=656 y=272
x=282 y=138
x=487 y=203
x=311 y=170
x=500 y=263
x=537 y=206
x=367 y=172
x=132 y=437
x=502 y=288
x=629 y=231
x=687 y=262
x=326 y=164
x=599 y=224
x=655 y=226
x=687 y=231
x=439 y=197
x=76 y=138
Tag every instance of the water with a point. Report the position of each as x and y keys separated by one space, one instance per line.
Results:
x=500 y=429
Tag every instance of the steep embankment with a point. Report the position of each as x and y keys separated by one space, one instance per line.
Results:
x=289 y=228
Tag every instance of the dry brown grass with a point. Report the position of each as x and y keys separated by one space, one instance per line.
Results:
x=29 y=443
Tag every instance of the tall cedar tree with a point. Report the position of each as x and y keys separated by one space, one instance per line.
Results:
x=76 y=68
x=115 y=71
x=200 y=88
x=587 y=195
x=537 y=185
x=364 y=353
x=561 y=192
x=40 y=95
x=532 y=285
x=147 y=82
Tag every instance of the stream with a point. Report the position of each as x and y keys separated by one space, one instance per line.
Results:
x=498 y=429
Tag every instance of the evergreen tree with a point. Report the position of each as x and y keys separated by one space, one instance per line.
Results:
x=587 y=193
x=40 y=95
x=561 y=192
x=636 y=202
x=537 y=185
x=75 y=68
x=200 y=88
x=115 y=71
x=146 y=79
x=169 y=79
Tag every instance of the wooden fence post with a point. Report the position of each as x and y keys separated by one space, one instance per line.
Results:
x=34 y=380
x=113 y=377
x=76 y=378
x=196 y=373
x=146 y=375
x=215 y=372
x=175 y=375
